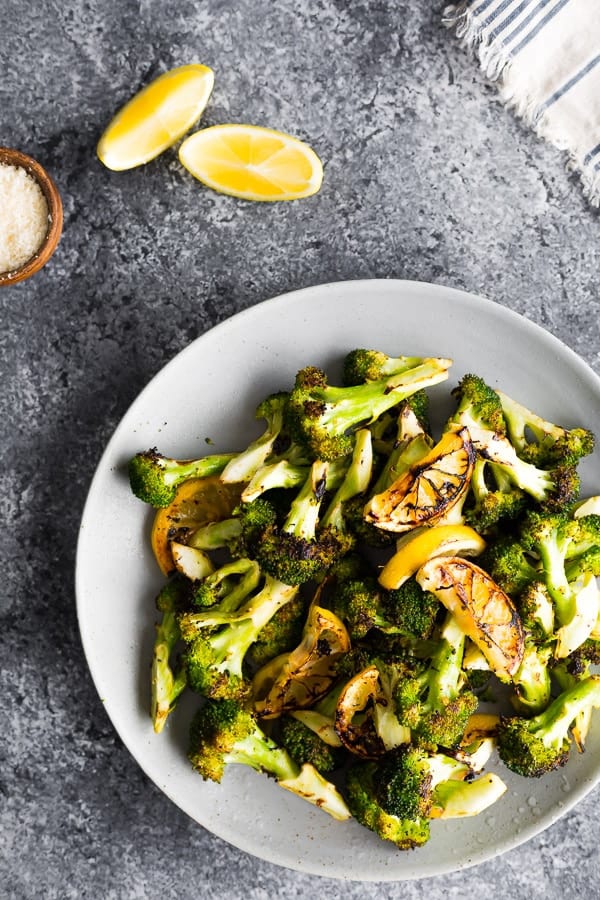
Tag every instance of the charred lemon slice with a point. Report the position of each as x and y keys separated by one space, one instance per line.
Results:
x=430 y=488
x=198 y=501
x=298 y=679
x=363 y=714
x=484 y=612
x=418 y=546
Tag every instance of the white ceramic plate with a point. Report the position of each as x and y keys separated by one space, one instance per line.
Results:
x=210 y=390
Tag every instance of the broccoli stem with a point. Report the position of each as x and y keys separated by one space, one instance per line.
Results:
x=348 y=406
x=446 y=665
x=166 y=686
x=356 y=480
x=303 y=516
x=552 y=725
x=262 y=754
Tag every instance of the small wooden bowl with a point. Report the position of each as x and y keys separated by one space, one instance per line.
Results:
x=55 y=211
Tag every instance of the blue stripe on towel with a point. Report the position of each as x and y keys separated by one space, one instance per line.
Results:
x=589 y=156
x=529 y=37
x=570 y=83
x=510 y=17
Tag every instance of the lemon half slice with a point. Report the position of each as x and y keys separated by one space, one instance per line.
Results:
x=252 y=163
x=422 y=544
x=156 y=117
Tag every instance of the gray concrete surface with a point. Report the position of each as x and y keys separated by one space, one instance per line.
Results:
x=426 y=177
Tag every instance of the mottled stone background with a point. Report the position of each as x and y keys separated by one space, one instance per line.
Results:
x=426 y=177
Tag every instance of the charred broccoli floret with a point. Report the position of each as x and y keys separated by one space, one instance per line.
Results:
x=480 y=410
x=508 y=564
x=154 y=478
x=218 y=639
x=363 y=365
x=280 y=633
x=245 y=464
x=298 y=550
x=168 y=679
x=533 y=747
x=583 y=553
x=435 y=704
x=223 y=733
x=477 y=404
x=493 y=498
x=322 y=417
x=305 y=746
x=397 y=796
x=542 y=442
x=363 y=604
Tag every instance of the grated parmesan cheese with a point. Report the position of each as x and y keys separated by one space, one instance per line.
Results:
x=23 y=217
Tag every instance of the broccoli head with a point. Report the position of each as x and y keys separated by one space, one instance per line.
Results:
x=541 y=442
x=154 y=478
x=362 y=365
x=224 y=732
x=536 y=746
x=218 y=639
x=322 y=417
x=305 y=746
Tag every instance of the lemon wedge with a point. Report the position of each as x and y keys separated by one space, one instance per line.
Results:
x=422 y=544
x=156 y=117
x=252 y=163
x=198 y=502
x=481 y=608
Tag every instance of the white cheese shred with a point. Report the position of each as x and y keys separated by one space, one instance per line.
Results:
x=24 y=217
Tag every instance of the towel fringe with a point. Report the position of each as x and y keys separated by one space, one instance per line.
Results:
x=495 y=63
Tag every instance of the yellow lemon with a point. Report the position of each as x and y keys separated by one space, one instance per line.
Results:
x=198 y=502
x=422 y=544
x=481 y=608
x=156 y=117
x=252 y=163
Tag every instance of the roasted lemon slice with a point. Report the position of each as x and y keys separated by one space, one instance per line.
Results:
x=417 y=547
x=483 y=611
x=198 y=501
x=430 y=488
x=298 y=679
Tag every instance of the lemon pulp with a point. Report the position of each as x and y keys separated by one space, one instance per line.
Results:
x=156 y=117
x=252 y=163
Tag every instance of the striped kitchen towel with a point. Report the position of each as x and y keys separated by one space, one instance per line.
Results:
x=545 y=55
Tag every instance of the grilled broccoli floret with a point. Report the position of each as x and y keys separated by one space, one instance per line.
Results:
x=583 y=553
x=363 y=604
x=394 y=796
x=542 y=442
x=372 y=365
x=298 y=550
x=549 y=536
x=533 y=747
x=154 y=478
x=493 y=498
x=280 y=633
x=480 y=410
x=536 y=610
x=168 y=680
x=477 y=404
x=228 y=586
x=532 y=682
x=322 y=417
x=305 y=746
x=243 y=466
x=218 y=639
x=435 y=704
x=508 y=564
x=223 y=732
